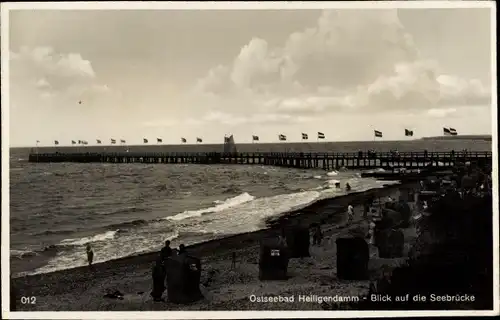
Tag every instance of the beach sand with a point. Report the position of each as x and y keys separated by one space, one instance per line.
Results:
x=82 y=289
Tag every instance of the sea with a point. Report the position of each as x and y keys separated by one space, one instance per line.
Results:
x=56 y=209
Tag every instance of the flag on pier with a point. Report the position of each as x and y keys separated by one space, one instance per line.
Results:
x=122 y=141
x=453 y=132
x=38 y=141
x=255 y=138
x=378 y=134
x=183 y=140
x=408 y=133
x=199 y=139
x=158 y=140
x=446 y=132
x=98 y=141
x=321 y=135
x=56 y=142
x=304 y=136
x=113 y=141
x=73 y=142
x=145 y=140
x=282 y=137
x=84 y=142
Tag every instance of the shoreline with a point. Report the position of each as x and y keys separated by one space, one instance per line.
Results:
x=78 y=280
x=271 y=224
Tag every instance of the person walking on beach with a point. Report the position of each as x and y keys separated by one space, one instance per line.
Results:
x=317 y=235
x=282 y=238
x=90 y=254
x=350 y=214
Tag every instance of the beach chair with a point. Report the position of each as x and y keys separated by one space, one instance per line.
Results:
x=390 y=243
x=405 y=213
x=298 y=241
x=352 y=259
x=273 y=262
x=183 y=279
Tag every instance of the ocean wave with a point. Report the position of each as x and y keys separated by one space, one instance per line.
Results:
x=53 y=232
x=228 y=203
x=20 y=254
x=191 y=234
x=250 y=215
x=104 y=250
x=332 y=173
x=108 y=235
x=128 y=209
x=128 y=224
x=331 y=183
x=50 y=250
x=232 y=189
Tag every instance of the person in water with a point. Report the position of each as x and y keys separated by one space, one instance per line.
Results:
x=159 y=273
x=90 y=254
x=347 y=187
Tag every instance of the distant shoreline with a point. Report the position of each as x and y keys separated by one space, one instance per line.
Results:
x=462 y=137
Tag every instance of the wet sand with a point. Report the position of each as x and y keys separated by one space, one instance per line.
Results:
x=82 y=289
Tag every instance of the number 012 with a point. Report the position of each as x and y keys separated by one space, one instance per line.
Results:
x=28 y=300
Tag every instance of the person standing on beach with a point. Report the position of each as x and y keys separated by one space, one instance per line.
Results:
x=166 y=251
x=90 y=254
x=350 y=214
x=366 y=208
x=282 y=238
x=182 y=252
x=317 y=235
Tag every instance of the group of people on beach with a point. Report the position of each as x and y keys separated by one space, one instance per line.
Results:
x=159 y=273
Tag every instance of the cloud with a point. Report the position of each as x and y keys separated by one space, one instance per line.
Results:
x=441 y=113
x=61 y=78
x=159 y=123
x=231 y=119
x=351 y=61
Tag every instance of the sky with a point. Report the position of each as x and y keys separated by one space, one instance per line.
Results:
x=207 y=73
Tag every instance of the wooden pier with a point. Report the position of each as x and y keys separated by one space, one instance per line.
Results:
x=326 y=161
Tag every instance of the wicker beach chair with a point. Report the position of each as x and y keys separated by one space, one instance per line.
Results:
x=273 y=262
x=390 y=243
x=183 y=279
x=298 y=241
x=353 y=255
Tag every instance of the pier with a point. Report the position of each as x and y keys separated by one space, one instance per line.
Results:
x=325 y=161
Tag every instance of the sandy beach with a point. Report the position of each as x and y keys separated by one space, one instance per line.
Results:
x=82 y=289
